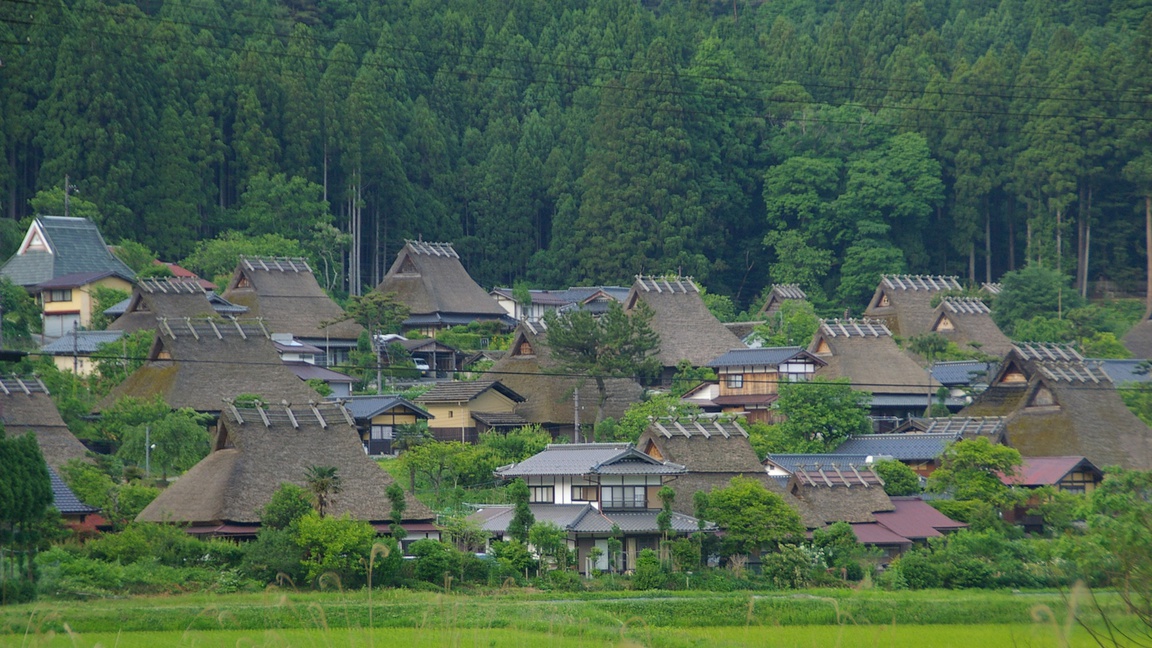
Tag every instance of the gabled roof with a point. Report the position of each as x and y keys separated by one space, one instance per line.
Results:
x=463 y=391
x=258 y=449
x=80 y=342
x=549 y=398
x=590 y=459
x=366 y=407
x=1048 y=471
x=903 y=447
x=779 y=294
x=764 y=357
x=584 y=518
x=284 y=292
x=834 y=495
x=429 y=279
x=1125 y=371
x=864 y=352
x=992 y=288
x=78 y=279
x=308 y=371
x=55 y=246
x=64 y=500
x=915 y=519
x=171 y=298
x=687 y=329
x=963 y=372
x=968 y=322
x=198 y=363
x=25 y=406
x=905 y=301
x=792 y=462
x=1058 y=404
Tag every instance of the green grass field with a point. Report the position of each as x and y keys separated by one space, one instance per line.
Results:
x=516 y=618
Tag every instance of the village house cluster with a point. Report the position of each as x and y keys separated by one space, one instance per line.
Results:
x=273 y=328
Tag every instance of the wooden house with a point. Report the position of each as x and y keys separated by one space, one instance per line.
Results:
x=75 y=350
x=687 y=329
x=429 y=279
x=60 y=261
x=285 y=294
x=26 y=406
x=199 y=363
x=749 y=379
x=377 y=418
x=904 y=302
x=594 y=299
x=550 y=400
x=779 y=294
x=168 y=298
x=1059 y=404
x=968 y=322
x=461 y=411
x=586 y=489
x=1075 y=475
x=864 y=352
x=257 y=449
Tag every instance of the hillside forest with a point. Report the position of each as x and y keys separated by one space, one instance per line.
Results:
x=821 y=142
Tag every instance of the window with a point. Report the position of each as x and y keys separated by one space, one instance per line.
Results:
x=381 y=432
x=542 y=494
x=583 y=493
x=624 y=497
x=734 y=381
x=59 y=295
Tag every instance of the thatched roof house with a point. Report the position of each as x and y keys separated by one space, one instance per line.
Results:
x=258 y=449
x=199 y=363
x=834 y=493
x=687 y=329
x=549 y=399
x=779 y=294
x=904 y=302
x=285 y=294
x=1138 y=339
x=968 y=322
x=1059 y=404
x=865 y=352
x=429 y=279
x=25 y=406
x=169 y=298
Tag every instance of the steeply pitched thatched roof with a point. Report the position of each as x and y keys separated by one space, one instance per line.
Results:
x=55 y=246
x=285 y=293
x=1057 y=403
x=968 y=323
x=864 y=352
x=25 y=406
x=548 y=398
x=687 y=329
x=779 y=294
x=259 y=449
x=904 y=302
x=171 y=298
x=851 y=500
x=429 y=279
x=1138 y=339
x=198 y=363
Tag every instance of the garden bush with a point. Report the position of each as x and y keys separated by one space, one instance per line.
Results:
x=649 y=573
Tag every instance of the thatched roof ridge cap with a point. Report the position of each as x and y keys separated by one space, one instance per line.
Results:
x=966 y=305
x=177 y=285
x=663 y=284
x=431 y=248
x=273 y=263
x=921 y=282
x=1047 y=351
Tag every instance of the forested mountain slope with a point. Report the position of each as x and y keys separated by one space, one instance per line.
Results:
x=586 y=141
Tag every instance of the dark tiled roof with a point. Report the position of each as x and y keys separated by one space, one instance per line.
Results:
x=77 y=279
x=365 y=407
x=904 y=447
x=963 y=372
x=762 y=357
x=1125 y=371
x=309 y=371
x=590 y=458
x=462 y=391
x=77 y=247
x=82 y=342
x=500 y=419
x=794 y=462
x=636 y=522
x=64 y=499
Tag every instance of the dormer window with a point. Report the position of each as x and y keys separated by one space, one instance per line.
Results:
x=884 y=300
x=945 y=324
x=244 y=282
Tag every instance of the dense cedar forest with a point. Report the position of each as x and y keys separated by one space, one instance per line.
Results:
x=584 y=141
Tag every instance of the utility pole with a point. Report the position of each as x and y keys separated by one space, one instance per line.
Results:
x=148 y=451
x=576 y=430
x=76 y=348
x=68 y=189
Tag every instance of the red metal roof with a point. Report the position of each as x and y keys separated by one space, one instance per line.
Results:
x=1045 y=471
x=878 y=534
x=916 y=519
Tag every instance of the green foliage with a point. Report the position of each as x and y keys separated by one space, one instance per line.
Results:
x=649 y=573
x=1033 y=291
x=135 y=255
x=21 y=315
x=640 y=415
x=274 y=555
x=977 y=559
x=115 y=361
x=288 y=504
x=377 y=312
x=752 y=516
x=898 y=478
x=514 y=556
x=789 y=567
x=435 y=560
x=325 y=484
x=972 y=469
x=399 y=504
x=551 y=542
x=515 y=445
x=217 y=258
x=25 y=490
x=794 y=324
x=1138 y=398
x=103 y=298
x=688 y=377
x=1120 y=522
x=337 y=545
x=178 y=438
x=721 y=306
x=820 y=414
x=522 y=519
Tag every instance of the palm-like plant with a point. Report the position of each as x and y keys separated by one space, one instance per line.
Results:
x=324 y=484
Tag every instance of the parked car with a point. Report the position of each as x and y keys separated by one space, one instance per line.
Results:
x=422 y=365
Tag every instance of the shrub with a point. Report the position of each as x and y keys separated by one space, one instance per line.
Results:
x=649 y=574
x=169 y=545
x=272 y=553
x=435 y=560
x=788 y=568
x=335 y=545
x=562 y=580
x=917 y=570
